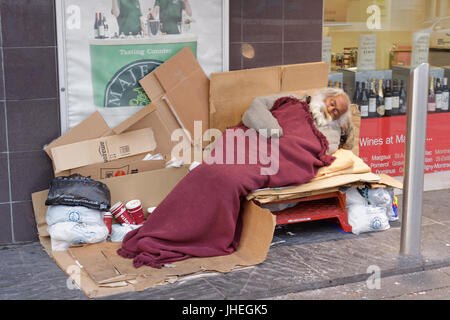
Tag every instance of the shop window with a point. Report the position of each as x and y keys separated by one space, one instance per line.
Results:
x=371 y=46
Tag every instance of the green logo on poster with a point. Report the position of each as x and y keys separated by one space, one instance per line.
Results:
x=124 y=89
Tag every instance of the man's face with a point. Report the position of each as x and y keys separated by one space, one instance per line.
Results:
x=335 y=106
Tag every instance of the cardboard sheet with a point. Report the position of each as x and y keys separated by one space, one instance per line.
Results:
x=104 y=272
x=322 y=186
x=231 y=93
x=179 y=89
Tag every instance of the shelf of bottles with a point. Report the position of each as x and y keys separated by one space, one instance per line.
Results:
x=382 y=104
x=385 y=98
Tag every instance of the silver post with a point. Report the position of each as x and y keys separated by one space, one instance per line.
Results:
x=416 y=125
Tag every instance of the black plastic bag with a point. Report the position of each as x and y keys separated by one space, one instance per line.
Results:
x=77 y=190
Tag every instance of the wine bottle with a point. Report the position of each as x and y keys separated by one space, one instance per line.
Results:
x=96 y=26
x=438 y=95
x=357 y=93
x=395 y=98
x=380 y=101
x=330 y=83
x=445 y=96
x=402 y=100
x=388 y=99
x=101 y=27
x=431 y=105
x=372 y=101
x=106 y=27
x=364 y=103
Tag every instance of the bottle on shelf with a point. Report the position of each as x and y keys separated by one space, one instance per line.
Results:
x=337 y=84
x=388 y=99
x=438 y=95
x=379 y=98
x=101 y=27
x=96 y=25
x=431 y=104
x=330 y=83
x=357 y=93
x=445 y=96
x=106 y=26
x=364 y=102
x=402 y=100
x=395 y=98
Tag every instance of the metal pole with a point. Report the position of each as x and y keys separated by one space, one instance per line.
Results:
x=416 y=125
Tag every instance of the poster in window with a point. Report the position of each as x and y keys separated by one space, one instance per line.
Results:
x=106 y=46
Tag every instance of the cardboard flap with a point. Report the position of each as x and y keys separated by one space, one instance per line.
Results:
x=180 y=87
x=177 y=69
x=121 y=127
x=92 y=127
x=305 y=76
x=231 y=93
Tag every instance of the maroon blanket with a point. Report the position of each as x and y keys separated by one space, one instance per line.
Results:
x=200 y=216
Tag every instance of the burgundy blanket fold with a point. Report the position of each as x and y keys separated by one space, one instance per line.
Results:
x=200 y=216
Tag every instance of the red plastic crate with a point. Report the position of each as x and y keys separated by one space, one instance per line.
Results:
x=318 y=207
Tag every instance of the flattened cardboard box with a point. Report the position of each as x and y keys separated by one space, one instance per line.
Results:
x=105 y=273
x=231 y=93
x=103 y=149
x=94 y=127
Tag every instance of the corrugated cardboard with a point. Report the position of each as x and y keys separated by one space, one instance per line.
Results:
x=179 y=89
x=102 y=149
x=95 y=127
x=231 y=93
x=120 y=167
x=151 y=117
x=105 y=273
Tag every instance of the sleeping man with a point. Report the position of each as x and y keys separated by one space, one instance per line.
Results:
x=200 y=217
x=330 y=108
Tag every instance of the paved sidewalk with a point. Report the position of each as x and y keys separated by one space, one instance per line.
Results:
x=313 y=260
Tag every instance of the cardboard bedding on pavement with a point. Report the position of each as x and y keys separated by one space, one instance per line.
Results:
x=219 y=102
x=105 y=273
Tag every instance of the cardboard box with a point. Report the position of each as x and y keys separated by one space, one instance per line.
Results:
x=95 y=127
x=103 y=149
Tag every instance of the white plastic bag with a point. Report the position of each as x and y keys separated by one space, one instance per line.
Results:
x=58 y=245
x=381 y=197
x=364 y=218
x=118 y=231
x=61 y=213
x=352 y=196
x=78 y=233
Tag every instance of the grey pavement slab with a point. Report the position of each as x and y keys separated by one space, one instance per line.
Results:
x=423 y=285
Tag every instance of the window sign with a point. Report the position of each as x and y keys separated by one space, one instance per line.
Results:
x=367 y=50
x=420 y=48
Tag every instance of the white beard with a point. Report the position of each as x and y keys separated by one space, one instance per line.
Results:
x=319 y=110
